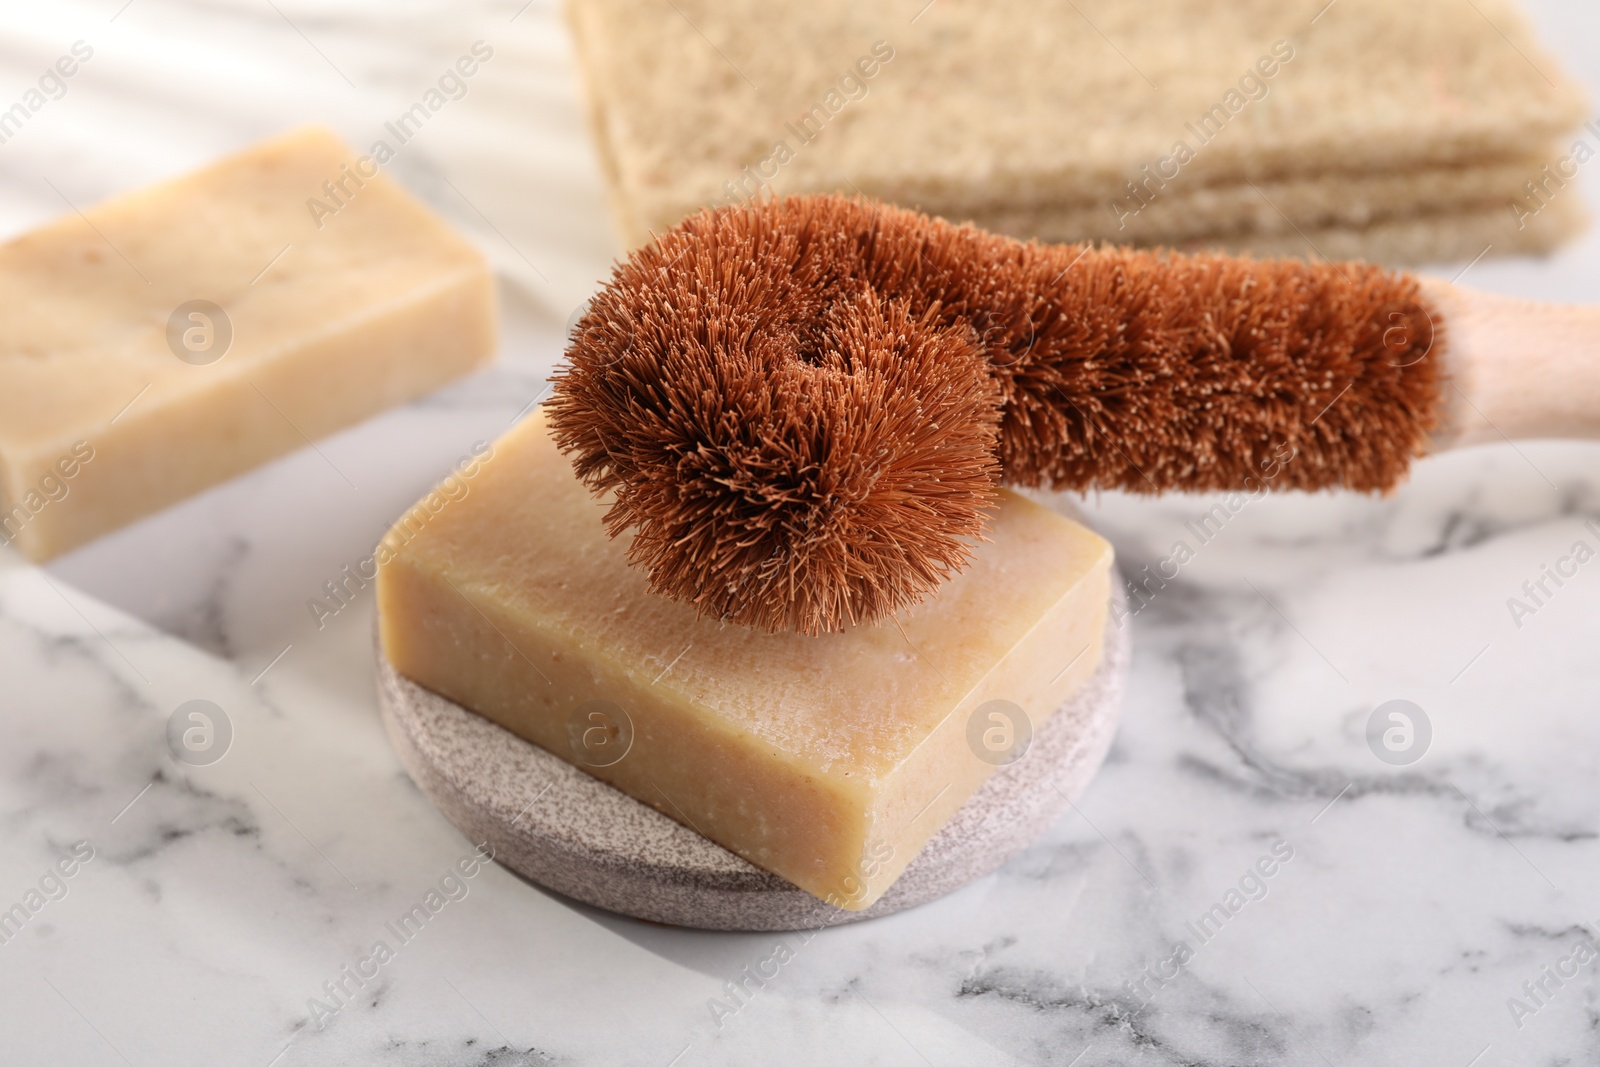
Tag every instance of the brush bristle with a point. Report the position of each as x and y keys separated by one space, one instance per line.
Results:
x=803 y=406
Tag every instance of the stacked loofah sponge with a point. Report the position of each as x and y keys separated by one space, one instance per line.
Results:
x=1353 y=129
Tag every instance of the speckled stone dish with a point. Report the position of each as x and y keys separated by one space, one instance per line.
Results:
x=564 y=829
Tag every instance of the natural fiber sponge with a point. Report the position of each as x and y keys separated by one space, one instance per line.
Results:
x=1042 y=114
x=176 y=336
x=828 y=760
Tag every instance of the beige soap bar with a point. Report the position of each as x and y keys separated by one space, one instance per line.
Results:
x=330 y=294
x=828 y=760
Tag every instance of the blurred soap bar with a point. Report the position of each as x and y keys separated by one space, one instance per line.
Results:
x=170 y=338
x=828 y=760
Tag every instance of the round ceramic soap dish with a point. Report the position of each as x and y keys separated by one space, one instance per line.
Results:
x=559 y=826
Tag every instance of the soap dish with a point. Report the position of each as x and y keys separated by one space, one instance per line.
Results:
x=568 y=831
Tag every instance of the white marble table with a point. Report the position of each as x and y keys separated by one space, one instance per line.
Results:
x=217 y=902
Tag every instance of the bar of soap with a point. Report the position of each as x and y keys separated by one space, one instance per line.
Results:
x=827 y=760
x=330 y=294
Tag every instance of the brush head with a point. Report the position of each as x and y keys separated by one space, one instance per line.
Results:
x=802 y=407
x=792 y=449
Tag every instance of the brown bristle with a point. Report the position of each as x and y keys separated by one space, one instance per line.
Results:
x=802 y=406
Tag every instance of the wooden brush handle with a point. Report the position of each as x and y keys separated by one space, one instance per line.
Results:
x=1518 y=368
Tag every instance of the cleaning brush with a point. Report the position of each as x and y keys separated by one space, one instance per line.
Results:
x=802 y=408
